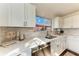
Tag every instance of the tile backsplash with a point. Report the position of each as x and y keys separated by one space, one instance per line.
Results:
x=71 y=31
x=29 y=33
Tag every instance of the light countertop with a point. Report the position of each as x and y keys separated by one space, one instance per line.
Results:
x=23 y=46
x=19 y=45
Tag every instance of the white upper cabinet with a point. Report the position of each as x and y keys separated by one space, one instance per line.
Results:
x=16 y=15
x=68 y=22
x=71 y=20
x=22 y=15
x=4 y=13
x=72 y=43
x=30 y=16
x=57 y=22
x=76 y=21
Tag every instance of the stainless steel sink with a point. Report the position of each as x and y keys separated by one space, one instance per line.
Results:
x=50 y=37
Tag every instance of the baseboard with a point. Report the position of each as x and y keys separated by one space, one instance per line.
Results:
x=67 y=50
x=73 y=52
x=63 y=53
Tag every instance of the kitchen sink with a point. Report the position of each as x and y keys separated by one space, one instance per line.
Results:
x=50 y=37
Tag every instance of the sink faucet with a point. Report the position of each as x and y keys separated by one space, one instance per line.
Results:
x=47 y=34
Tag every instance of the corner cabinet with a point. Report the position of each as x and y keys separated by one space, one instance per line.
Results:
x=17 y=15
x=58 y=46
x=72 y=43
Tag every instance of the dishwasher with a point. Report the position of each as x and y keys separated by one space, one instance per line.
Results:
x=41 y=50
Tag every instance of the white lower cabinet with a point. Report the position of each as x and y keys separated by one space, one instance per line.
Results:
x=57 y=46
x=72 y=43
x=20 y=52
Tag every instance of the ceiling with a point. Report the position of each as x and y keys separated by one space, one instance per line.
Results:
x=49 y=10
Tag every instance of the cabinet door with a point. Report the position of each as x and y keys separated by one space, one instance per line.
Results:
x=52 y=48
x=68 y=22
x=73 y=43
x=4 y=13
x=30 y=15
x=56 y=22
x=58 y=46
x=52 y=25
x=76 y=21
x=16 y=15
x=55 y=47
x=62 y=44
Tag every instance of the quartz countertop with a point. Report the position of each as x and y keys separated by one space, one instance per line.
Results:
x=14 y=48
x=35 y=42
x=22 y=46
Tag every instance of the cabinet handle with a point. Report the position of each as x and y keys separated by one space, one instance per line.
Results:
x=25 y=23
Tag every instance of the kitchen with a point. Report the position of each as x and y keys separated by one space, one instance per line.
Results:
x=30 y=29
